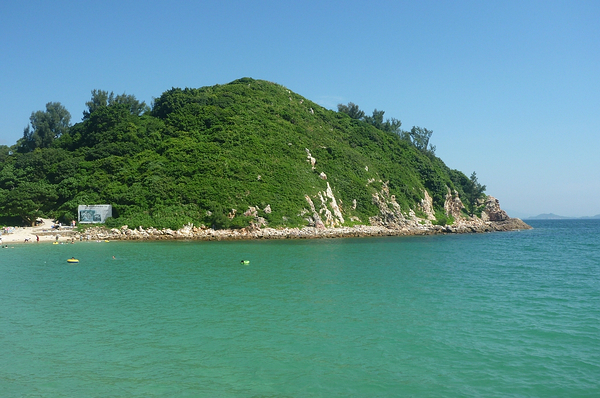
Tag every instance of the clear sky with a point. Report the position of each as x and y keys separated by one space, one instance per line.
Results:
x=511 y=89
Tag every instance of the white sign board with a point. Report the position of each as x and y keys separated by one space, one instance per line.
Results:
x=93 y=213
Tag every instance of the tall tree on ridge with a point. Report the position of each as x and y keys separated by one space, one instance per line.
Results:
x=46 y=126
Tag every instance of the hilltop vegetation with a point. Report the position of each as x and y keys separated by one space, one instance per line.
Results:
x=207 y=155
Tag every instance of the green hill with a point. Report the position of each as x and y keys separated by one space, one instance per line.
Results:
x=250 y=151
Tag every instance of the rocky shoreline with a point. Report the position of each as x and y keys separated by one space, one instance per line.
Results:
x=391 y=222
x=191 y=232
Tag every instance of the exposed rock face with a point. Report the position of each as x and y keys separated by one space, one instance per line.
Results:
x=310 y=159
x=252 y=211
x=185 y=232
x=257 y=224
x=453 y=205
x=334 y=206
x=427 y=205
x=492 y=210
x=315 y=220
x=390 y=213
x=329 y=214
x=330 y=221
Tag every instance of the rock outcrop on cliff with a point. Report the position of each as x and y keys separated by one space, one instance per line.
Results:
x=492 y=210
x=453 y=206
x=391 y=222
x=390 y=212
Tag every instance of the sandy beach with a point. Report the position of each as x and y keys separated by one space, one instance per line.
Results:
x=45 y=232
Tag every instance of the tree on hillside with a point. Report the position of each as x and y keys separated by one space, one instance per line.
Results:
x=102 y=99
x=28 y=200
x=418 y=136
x=351 y=110
x=5 y=152
x=390 y=125
x=99 y=99
x=46 y=126
x=420 y=139
x=474 y=192
x=376 y=119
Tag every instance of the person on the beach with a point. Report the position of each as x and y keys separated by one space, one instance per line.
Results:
x=37 y=238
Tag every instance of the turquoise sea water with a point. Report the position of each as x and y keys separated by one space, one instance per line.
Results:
x=513 y=314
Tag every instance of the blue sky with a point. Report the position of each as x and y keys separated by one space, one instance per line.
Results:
x=511 y=89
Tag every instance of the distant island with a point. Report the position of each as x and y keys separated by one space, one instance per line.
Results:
x=552 y=216
x=245 y=156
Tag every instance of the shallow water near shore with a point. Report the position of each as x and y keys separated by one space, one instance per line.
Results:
x=498 y=314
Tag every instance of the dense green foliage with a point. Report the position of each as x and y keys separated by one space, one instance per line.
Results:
x=473 y=192
x=199 y=153
x=46 y=126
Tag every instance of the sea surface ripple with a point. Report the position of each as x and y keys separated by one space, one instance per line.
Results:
x=513 y=314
